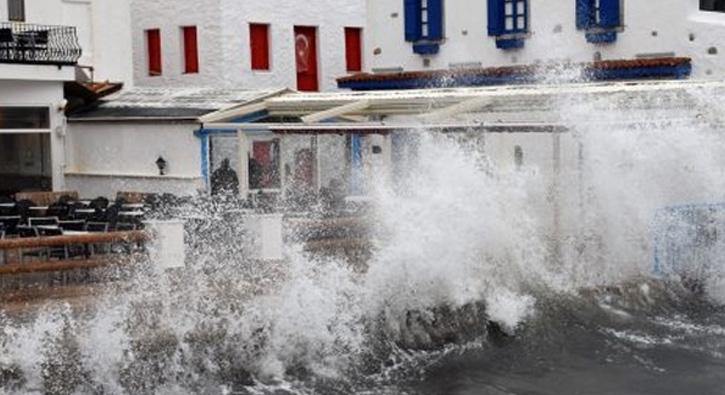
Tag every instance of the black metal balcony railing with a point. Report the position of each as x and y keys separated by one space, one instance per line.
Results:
x=38 y=44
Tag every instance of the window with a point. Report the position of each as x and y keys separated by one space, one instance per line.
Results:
x=598 y=14
x=508 y=21
x=24 y=118
x=353 y=48
x=515 y=16
x=599 y=18
x=153 y=42
x=16 y=10
x=712 y=5
x=259 y=45
x=424 y=25
x=191 y=50
x=264 y=165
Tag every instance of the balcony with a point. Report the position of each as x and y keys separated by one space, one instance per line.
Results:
x=26 y=43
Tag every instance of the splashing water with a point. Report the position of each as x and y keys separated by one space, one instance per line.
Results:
x=466 y=268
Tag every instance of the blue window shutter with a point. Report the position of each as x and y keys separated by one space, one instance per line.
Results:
x=584 y=14
x=496 y=23
x=412 y=20
x=435 y=19
x=609 y=13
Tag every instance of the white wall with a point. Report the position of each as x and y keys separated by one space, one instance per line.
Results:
x=223 y=36
x=663 y=27
x=41 y=94
x=104 y=158
x=104 y=31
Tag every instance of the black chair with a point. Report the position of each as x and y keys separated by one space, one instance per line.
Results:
x=74 y=225
x=6 y=41
x=99 y=203
x=4 y=254
x=22 y=207
x=30 y=232
x=10 y=224
x=54 y=252
x=125 y=227
x=43 y=221
x=58 y=209
x=97 y=227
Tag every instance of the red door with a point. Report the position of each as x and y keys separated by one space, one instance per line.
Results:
x=306 y=58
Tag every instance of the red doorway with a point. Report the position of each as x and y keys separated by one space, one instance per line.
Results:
x=306 y=58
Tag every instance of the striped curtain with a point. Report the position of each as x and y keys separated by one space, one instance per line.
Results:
x=16 y=10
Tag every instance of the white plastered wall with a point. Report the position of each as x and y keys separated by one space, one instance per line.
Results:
x=107 y=157
x=42 y=94
x=663 y=28
x=223 y=40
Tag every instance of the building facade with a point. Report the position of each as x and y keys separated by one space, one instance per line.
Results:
x=247 y=44
x=47 y=49
x=428 y=35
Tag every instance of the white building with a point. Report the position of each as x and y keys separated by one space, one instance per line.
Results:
x=119 y=145
x=439 y=35
x=246 y=44
x=50 y=51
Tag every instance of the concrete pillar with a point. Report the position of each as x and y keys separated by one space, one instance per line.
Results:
x=58 y=130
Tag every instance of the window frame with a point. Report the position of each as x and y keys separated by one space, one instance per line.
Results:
x=191 y=59
x=714 y=3
x=255 y=62
x=154 y=44
x=19 y=7
x=357 y=56
x=515 y=16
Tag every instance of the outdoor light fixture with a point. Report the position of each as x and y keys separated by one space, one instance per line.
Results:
x=161 y=164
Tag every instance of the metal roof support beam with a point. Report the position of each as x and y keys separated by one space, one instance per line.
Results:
x=475 y=104
x=233 y=113
x=336 y=111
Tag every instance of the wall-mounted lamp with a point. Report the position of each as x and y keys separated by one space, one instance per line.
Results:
x=161 y=164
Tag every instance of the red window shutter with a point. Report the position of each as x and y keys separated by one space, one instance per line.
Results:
x=353 y=48
x=259 y=44
x=191 y=50
x=153 y=40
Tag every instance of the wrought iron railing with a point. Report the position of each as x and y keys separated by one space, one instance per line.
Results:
x=38 y=44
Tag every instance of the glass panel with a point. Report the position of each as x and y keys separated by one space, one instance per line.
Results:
x=509 y=9
x=24 y=118
x=520 y=6
x=509 y=24
x=264 y=165
x=521 y=24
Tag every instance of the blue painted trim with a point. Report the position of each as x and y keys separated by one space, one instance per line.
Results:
x=426 y=48
x=356 y=162
x=510 y=43
x=602 y=37
x=251 y=117
x=205 y=158
x=208 y=132
x=678 y=72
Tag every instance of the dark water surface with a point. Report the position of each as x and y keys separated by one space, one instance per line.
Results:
x=675 y=348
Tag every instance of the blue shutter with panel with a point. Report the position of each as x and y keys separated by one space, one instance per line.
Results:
x=609 y=13
x=584 y=13
x=496 y=19
x=412 y=20
x=435 y=19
